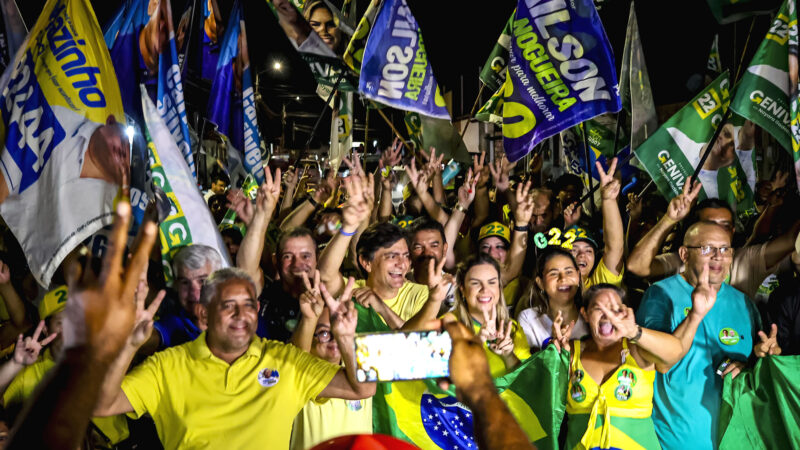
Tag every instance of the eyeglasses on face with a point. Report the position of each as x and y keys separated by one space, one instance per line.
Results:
x=323 y=336
x=707 y=250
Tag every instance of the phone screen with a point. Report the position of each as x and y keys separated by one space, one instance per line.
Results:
x=401 y=356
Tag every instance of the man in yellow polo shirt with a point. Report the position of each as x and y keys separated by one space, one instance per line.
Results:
x=228 y=388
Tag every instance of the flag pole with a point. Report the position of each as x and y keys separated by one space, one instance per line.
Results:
x=324 y=108
x=597 y=186
x=586 y=151
x=389 y=122
x=472 y=111
x=710 y=145
x=189 y=36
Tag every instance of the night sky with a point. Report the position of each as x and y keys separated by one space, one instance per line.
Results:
x=676 y=36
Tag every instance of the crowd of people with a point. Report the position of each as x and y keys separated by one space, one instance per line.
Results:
x=655 y=303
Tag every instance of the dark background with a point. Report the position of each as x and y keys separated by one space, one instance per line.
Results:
x=676 y=36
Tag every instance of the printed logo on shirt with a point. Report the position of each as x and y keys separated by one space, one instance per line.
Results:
x=354 y=405
x=623 y=392
x=626 y=377
x=686 y=311
x=268 y=377
x=577 y=376
x=729 y=336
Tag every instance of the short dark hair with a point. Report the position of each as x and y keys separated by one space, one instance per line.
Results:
x=293 y=233
x=593 y=291
x=220 y=176
x=712 y=203
x=234 y=233
x=565 y=180
x=426 y=224
x=378 y=236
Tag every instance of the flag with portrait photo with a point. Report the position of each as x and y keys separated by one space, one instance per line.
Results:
x=561 y=72
x=189 y=220
x=143 y=52
x=395 y=70
x=61 y=168
x=232 y=105
x=673 y=152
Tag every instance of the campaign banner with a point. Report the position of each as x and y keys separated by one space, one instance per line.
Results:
x=414 y=127
x=12 y=33
x=635 y=91
x=321 y=46
x=673 y=152
x=354 y=53
x=492 y=110
x=143 y=52
x=493 y=73
x=600 y=137
x=561 y=73
x=341 y=129
x=64 y=154
x=763 y=92
x=395 y=70
x=189 y=220
x=714 y=63
x=232 y=105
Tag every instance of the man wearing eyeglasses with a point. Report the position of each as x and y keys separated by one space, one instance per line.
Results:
x=687 y=395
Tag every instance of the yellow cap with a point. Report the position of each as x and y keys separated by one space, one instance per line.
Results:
x=495 y=229
x=53 y=302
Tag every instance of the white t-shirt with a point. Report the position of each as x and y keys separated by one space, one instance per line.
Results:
x=537 y=327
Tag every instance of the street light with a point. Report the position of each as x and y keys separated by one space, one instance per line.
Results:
x=277 y=65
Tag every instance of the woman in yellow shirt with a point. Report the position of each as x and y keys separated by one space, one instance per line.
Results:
x=610 y=393
x=480 y=305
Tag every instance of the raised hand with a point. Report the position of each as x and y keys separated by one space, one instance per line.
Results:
x=268 y=193
x=434 y=165
x=291 y=178
x=572 y=214
x=466 y=192
x=143 y=326
x=704 y=295
x=769 y=344
x=479 y=169
x=500 y=173
x=503 y=344
x=680 y=205
x=27 y=350
x=326 y=187
x=624 y=321
x=488 y=331
x=101 y=310
x=779 y=180
x=609 y=186
x=344 y=316
x=418 y=178
x=311 y=301
x=634 y=207
x=354 y=164
x=5 y=273
x=524 y=208
x=357 y=208
x=561 y=333
x=241 y=205
x=392 y=155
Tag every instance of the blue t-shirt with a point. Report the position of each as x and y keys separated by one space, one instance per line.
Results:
x=687 y=398
x=175 y=329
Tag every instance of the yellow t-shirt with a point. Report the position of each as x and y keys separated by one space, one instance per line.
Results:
x=513 y=291
x=521 y=349
x=115 y=428
x=329 y=418
x=199 y=401
x=409 y=299
x=602 y=274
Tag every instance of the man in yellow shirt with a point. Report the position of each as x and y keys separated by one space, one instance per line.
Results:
x=382 y=254
x=227 y=388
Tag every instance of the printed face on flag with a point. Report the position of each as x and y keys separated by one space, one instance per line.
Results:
x=301 y=33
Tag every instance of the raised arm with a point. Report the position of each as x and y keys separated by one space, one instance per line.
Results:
x=344 y=319
x=501 y=171
x=320 y=196
x=99 y=317
x=389 y=158
x=480 y=171
x=311 y=306
x=613 y=234
x=419 y=181
x=434 y=169
x=249 y=256
x=519 y=242
x=642 y=260
x=654 y=347
x=438 y=284
x=466 y=194
x=355 y=212
x=26 y=352
x=290 y=180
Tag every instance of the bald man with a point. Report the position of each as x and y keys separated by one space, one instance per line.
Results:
x=687 y=395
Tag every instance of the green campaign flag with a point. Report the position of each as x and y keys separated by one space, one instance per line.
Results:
x=426 y=132
x=729 y=11
x=634 y=86
x=714 y=63
x=493 y=73
x=492 y=110
x=354 y=53
x=674 y=150
x=760 y=407
x=431 y=418
x=414 y=127
x=794 y=101
x=763 y=93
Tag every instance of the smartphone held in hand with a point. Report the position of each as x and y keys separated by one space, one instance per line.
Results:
x=401 y=356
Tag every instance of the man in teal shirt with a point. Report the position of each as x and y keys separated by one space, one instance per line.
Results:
x=687 y=395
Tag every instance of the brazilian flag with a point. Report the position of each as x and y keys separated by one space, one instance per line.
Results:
x=431 y=418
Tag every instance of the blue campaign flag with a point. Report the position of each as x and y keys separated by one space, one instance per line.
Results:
x=395 y=69
x=232 y=101
x=560 y=72
x=141 y=42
